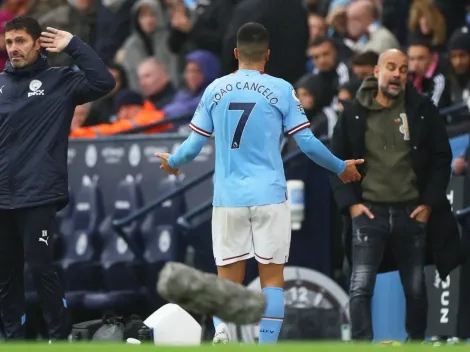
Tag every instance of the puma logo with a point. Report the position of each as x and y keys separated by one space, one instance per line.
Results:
x=44 y=237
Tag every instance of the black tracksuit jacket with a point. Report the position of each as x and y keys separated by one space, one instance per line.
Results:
x=37 y=104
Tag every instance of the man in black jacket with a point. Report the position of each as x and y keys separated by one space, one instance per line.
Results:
x=402 y=197
x=37 y=103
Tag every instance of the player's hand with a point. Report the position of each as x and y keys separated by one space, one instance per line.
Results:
x=165 y=166
x=351 y=174
x=421 y=213
x=54 y=40
x=359 y=209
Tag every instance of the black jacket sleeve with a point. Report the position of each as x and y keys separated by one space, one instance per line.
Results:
x=94 y=81
x=346 y=194
x=441 y=158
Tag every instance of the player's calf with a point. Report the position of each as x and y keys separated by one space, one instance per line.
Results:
x=272 y=283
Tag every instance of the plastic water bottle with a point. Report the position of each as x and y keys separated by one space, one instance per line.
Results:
x=296 y=201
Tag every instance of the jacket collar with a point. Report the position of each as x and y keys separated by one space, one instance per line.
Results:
x=39 y=65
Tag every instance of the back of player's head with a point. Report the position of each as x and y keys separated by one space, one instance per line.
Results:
x=252 y=42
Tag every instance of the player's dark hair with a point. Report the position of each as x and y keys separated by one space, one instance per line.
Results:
x=252 y=42
x=29 y=24
x=367 y=58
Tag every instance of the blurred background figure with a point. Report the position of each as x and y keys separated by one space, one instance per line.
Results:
x=101 y=111
x=80 y=116
x=154 y=83
x=202 y=67
x=149 y=39
x=427 y=22
x=426 y=72
x=363 y=64
x=317 y=27
x=87 y=19
x=365 y=30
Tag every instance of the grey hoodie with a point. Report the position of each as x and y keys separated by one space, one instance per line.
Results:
x=389 y=176
x=139 y=46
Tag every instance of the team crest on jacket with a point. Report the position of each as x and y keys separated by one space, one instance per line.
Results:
x=404 y=129
x=34 y=88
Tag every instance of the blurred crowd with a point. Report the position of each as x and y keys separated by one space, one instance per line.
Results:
x=164 y=53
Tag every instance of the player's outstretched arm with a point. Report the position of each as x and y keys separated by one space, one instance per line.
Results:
x=321 y=155
x=186 y=153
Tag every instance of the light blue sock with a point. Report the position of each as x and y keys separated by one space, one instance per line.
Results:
x=271 y=323
x=216 y=321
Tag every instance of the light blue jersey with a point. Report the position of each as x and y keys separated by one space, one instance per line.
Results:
x=249 y=112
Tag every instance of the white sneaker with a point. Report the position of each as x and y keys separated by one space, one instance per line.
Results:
x=221 y=336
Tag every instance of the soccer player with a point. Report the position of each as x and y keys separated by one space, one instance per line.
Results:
x=249 y=111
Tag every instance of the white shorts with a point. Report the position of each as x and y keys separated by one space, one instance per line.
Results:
x=240 y=233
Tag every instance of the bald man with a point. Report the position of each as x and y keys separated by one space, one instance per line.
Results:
x=399 y=212
x=154 y=83
x=365 y=29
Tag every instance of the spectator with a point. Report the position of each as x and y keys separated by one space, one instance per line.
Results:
x=40 y=8
x=425 y=73
x=426 y=21
x=206 y=31
x=460 y=164
x=4 y=18
x=287 y=24
x=348 y=91
x=365 y=30
x=80 y=116
x=363 y=64
x=337 y=19
x=13 y=8
x=101 y=111
x=202 y=67
x=155 y=84
x=316 y=103
x=459 y=52
x=87 y=19
x=325 y=58
x=317 y=27
x=132 y=111
x=149 y=39
x=119 y=30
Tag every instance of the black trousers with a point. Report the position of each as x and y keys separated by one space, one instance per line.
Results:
x=25 y=236
x=392 y=226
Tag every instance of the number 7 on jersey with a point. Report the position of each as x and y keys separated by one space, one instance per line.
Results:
x=246 y=109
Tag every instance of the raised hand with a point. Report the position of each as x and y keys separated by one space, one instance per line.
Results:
x=54 y=40
x=165 y=166
x=351 y=174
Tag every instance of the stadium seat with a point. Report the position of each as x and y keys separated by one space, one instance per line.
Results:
x=122 y=283
x=79 y=267
x=161 y=241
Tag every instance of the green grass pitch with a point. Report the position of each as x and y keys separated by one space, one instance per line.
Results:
x=288 y=347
